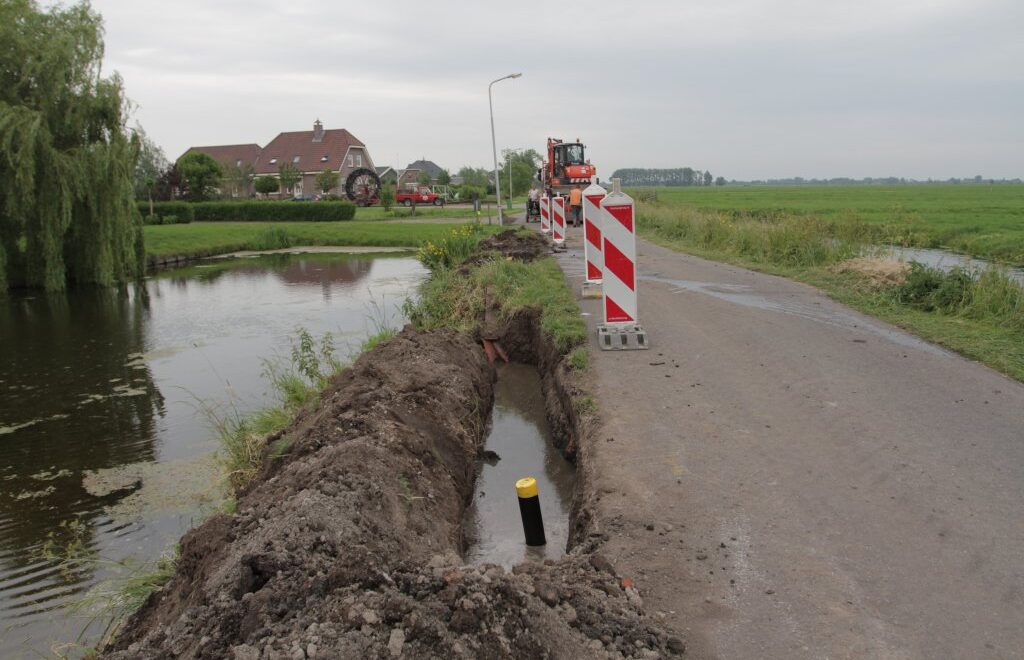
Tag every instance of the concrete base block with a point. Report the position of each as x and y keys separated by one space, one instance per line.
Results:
x=621 y=337
x=591 y=290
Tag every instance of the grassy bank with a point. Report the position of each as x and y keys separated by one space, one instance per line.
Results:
x=206 y=239
x=980 y=220
x=456 y=297
x=980 y=315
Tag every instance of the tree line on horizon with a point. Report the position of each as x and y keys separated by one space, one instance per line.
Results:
x=679 y=176
x=638 y=177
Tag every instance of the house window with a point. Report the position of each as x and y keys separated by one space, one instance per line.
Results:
x=295 y=160
x=324 y=159
x=351 y=161
x=359 y=160
x=273 y=161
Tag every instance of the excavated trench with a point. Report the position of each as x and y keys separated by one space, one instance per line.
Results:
x=348 y=544
x=519 y=444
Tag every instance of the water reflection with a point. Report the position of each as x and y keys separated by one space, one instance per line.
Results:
x=522 y=439
x=96 y=380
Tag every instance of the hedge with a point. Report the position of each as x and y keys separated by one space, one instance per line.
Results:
x=274 y=211
x=167 y=213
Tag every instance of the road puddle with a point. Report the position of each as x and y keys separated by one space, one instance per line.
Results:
x=521 y=438
x=741 y=294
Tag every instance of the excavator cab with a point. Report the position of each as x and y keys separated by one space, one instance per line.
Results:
x=568 y=154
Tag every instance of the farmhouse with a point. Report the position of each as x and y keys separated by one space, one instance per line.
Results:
x=411 y=174
x=310 y=152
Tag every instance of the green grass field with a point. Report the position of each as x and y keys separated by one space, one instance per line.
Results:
x=980 y=220
x=210 y=238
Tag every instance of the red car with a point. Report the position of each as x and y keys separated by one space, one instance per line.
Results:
x=422 y=195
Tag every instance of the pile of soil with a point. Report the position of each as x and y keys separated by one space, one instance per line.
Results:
x=514 y=244
x=346 y=544
x=878 y=272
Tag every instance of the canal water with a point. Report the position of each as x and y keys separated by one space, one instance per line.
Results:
x=943 y=259
x=521 y=438
x=106 y=456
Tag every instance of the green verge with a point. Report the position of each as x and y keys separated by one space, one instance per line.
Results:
x=454 y=298
x=208 y=239
x=809 y=249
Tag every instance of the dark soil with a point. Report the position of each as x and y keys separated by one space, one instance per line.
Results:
x=346 y=545
x=512 y=244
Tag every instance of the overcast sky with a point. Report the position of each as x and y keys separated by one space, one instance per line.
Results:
x=744 y=88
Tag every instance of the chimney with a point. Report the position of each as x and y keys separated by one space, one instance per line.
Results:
x=318 y=131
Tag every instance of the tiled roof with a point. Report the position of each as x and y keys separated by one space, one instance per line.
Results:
x=313 y=156
x=428 y=166
x=230 y=154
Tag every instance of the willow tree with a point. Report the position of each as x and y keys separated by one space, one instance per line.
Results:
x=66 y=158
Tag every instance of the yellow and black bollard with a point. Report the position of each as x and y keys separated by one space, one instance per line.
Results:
x=529 y=509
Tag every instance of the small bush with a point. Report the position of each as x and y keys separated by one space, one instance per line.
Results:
x=990 y=295
x=252 y=211
x=274 y=238
x=167 y=213
x=453 y=249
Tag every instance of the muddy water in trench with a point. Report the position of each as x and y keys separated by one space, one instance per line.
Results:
x=104 y=456
x=522 y=439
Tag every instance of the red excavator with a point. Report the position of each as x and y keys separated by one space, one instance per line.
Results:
x=565 y=167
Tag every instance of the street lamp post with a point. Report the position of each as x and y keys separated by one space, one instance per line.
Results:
x=494 y=143
x=509 y=180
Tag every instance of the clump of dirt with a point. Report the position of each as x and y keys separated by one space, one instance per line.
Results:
x=346 y=543
x=878 y=272
x=511 y=244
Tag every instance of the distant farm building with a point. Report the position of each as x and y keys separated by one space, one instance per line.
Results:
x=310 y=152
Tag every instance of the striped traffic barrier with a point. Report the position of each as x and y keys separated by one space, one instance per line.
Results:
x=558 y=220
x=621 y=328
x=529 y=510
x=593 y=262
x=545 y=214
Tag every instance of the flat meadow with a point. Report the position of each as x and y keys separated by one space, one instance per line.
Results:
x=985 y=221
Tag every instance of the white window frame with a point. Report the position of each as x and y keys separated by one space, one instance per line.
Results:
x=351 y=160
x=359 y=160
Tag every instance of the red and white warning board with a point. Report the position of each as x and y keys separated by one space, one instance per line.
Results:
x=558 y=220
x=545 y=214
x=619 y=252
x=592 y=196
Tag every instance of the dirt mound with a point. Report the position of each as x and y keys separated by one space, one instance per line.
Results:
x=374 y=476
x=346 y=543
x=521 y=246
x=879 y=272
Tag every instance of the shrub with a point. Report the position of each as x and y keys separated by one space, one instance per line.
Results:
x=266 y=185
x=273 y=238
x=387 y=196
x=167 y=213
x=252 y=211
x=451 y=250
